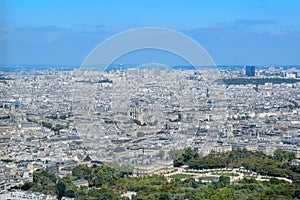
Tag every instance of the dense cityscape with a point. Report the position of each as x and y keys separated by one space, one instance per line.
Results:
x=135 y=118
x=155 y=100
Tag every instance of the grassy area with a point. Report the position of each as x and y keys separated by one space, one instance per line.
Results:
x=208 y=178
x=251 y=177
x=197 y=172
x=225 y=173
x=180 y=176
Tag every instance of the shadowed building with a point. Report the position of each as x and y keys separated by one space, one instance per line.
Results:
x=250 y=71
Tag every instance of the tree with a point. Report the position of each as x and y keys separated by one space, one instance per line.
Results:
x=61 y=189
x=223 y=181
x=176 y=153
x=124 y=169
x=164 y=196
x=179 y=161
x=224 y=194
x=43 y=177
x=279 y=155
x=104 y=174
x=183 y=158
x=82 y=171
x=44 y=182
x=290 y=156
x=103 y=194
x=188 y=154
x=66 y=188
x=28 y=185
x=47 y=125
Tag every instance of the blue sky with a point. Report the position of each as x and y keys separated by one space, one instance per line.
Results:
x=259 y=32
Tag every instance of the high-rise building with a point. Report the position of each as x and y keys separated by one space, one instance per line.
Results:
x=250 y=71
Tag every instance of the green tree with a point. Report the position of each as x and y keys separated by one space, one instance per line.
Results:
x=28 y=185
x=61 y=189
x=65 y=187
x=224 y=194
x=47 y=125
x=103 y=194
x=104 y=174
x=43 y=177
x=223 y=181
x=188 y=154
x=279 y=155
x=164 y=196
x=82 y=171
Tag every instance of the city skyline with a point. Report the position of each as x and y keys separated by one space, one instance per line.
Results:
x=235 y=33
x=149 y=99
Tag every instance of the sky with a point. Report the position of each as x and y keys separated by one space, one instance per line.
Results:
x=55 y=32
